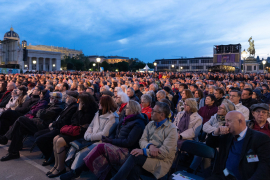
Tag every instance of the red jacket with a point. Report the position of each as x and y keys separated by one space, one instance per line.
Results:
x=147 y=111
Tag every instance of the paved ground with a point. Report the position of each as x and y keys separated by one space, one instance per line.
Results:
x=28 y=167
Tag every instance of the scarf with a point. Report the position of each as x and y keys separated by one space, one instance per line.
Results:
x=122 y=106
x=184 y=122
x=4 y=95
x=128 y=117
x=221 y=120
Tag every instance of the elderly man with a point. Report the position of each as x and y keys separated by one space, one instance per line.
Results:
x=25 y=125
x=63 y=88
x=235 y=98
x=158 y=147
x=138 y=93
x=243 y=152
x=260 y=113
x=161 y=94
x=131 y=94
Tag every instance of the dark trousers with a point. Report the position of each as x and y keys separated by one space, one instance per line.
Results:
x=7 y=119
x=131 y=169
x=22 y=126
x=44 y=141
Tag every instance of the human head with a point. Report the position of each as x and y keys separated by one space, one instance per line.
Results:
x=87 y=102
x=133 y=108
x=116 y=90
x=153 y=87
x=72 y=97
x=122 y=98
x=198 y=94
x=182 y=86
x=219 y=93
x=210 y=100
x=190 y=105
x=55 y=97
x=260 y=112
x=63 y=87
x=247 y=93
x=130 y=92
x=146 y=100
x=107 y=104
x=37 y=90
x=186 y=93
x=235 y=96
x=193 y=87
x=11 y=86
x=161 y=94
x=160 y=111
x=235 y=121
x=90 y=90
x=136 y=87
x=265 y=88
x=22 y=90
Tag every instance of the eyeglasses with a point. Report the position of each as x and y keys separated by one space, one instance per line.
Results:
x=233 y=96
x=261 y=111
x=155 y=112
x=221 y=108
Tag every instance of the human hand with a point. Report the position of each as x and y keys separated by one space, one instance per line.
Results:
x=153 y=151
x=221 y=130
x=136 y=152
x=50 y=126
x=106 y=140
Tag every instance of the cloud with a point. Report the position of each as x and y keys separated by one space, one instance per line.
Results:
x=123 y=41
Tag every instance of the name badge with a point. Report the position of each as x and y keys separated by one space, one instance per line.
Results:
x=252 y=158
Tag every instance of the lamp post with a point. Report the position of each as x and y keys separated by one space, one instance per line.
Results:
x=244 y=55
x=263 y=62
x=181 y=68
x=98 y=61
x=155 y=64
x=94 y=66
x=34 y=62
x=172 y=66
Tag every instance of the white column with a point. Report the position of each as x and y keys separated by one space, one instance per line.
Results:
x=30 y=64
x=50 y=65
x=58 y=64
x=44 y=64
x=37 y=65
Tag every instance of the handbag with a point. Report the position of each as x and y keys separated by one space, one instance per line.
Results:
x=80 y=144
x=70 y=130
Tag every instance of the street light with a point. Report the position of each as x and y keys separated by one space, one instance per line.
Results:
x=34 y=62
x=116 y=70
x=155 y=64
x=61 y=69
x=53 y=65
x=25 y=66
x=244 y=55
x=263 y=62
x=98 y=61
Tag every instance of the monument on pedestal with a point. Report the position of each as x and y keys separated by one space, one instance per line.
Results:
x=251 y=64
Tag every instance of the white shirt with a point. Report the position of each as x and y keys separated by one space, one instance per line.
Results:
x=243 y=109
x=242 y=134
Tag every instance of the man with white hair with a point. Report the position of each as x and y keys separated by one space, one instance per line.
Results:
x=235 y=98
x=24 y=125
x=243 y=152
x=161 y=94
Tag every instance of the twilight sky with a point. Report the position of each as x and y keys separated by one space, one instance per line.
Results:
x=146 y=29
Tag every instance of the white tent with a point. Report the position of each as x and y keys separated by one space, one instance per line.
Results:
x=146 y=68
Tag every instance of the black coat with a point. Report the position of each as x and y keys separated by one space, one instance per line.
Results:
x=129 y=134
x=255 y=143
x=65 y=116
x=139 y=94
x=135 y=98
x=5 y=100
x=27 y=105
x=248 y=102
x=47 y=115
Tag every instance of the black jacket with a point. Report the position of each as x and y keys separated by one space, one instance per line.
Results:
x=219 y=101
x=248 y=102
x=47 y=115
x=128 y=134
x=135 y=98
x=65 y=116
x=5 y=100
x=139 y=94
x=255 y=143
x=27 y=105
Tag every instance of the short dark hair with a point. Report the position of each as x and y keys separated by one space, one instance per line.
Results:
x=220 y=91
x=195 y=86
x=164 y=108
x=238 y=92
x=40 y=88
x=250 y=91
x=184 y=85
x=265 y=85
x=212 y=96
x=66 y=86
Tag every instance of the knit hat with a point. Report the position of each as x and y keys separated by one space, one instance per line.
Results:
x=228 y=105
x=166 y=88
x=258 y=92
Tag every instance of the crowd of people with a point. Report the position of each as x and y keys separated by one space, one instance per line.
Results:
x=125 y=124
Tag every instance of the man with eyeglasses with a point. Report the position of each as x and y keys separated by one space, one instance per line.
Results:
x=235 y=98
x=261 y=113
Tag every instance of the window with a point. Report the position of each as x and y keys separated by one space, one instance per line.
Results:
x=182 y=61
x=194 y=61
x=197 y=67
x=207 y=61
x=249 y=68
x=254 y=68
x=174 y=62
x=165 y=62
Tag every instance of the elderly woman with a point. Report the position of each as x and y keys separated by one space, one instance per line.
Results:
x=146 y=101
x=115 y=150
x=115 y=92
x=121 y=100
x=152 y=94
x=219 y=118
x=186 y=93
x=188 y=122
x=82 y=118
x=103 y=124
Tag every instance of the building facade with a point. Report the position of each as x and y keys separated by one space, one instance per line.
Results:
x=40 y=57
x=108 y=59
x=184 y=64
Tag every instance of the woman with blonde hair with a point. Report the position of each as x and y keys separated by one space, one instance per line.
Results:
x=188 y=122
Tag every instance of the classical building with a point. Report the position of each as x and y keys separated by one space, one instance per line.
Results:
x=40 y=57
x=184 y=64
x=109 y=59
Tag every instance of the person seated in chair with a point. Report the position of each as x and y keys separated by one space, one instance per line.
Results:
x=243 y=152
x=158 y=147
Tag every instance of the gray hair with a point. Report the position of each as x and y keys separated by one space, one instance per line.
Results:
x=118 y=89
x=164 y=108
x=132 y=90
x=134 y=107
x=147 y=98
x=155 y=86
x=162 y=92
x=123 y=96
x=229 y=106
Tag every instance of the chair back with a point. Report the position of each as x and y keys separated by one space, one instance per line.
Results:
x=198 y=149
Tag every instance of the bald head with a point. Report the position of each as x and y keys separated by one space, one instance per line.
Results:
x=235 y=121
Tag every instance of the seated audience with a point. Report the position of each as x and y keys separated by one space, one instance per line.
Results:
x=207 y=111
x=235 y=98
x=146 y=101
